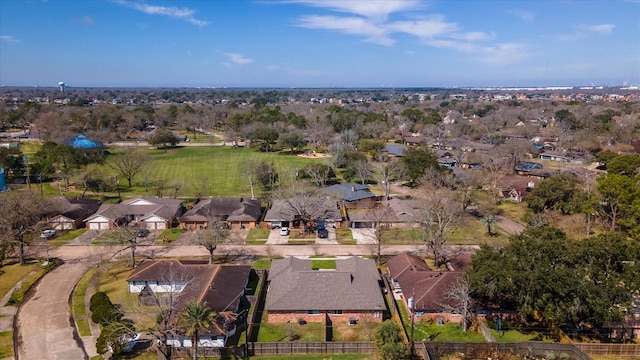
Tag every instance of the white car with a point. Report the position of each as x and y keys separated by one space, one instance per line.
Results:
x=48 y=234
x=284 y=231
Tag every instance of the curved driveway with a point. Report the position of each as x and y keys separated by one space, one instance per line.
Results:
x=43 y=323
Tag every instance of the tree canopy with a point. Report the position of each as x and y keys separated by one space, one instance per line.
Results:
x=546 y=276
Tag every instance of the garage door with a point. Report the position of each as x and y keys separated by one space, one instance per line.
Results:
x=160 y=226
x=94 y=226
x=103 y=226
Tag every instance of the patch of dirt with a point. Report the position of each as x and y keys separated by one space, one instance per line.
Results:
x=314 y=155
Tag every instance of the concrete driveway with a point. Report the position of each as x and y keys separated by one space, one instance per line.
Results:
x=364 y=236
x=44 y=323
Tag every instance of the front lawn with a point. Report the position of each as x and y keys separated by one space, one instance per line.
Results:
x=67 y=236
x=172 y=235
x=13 y=273
x=258 y=234
x=6 y=344
x=78 y=306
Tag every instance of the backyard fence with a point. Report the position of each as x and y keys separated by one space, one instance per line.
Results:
x=630 y=351
x=288 y=348
x=482 y=350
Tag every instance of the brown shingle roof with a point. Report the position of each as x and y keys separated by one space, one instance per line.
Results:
x=417 y=280
x=354 y=285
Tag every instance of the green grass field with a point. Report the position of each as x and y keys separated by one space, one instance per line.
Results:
x=215 y=170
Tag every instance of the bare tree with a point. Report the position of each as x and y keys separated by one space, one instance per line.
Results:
x=363 y=170
x=384 y=172
x=176 y=185
x=457 y=300
x=128 y=163
x=21 y=212
x=514 y=150
x=215 y=233
x=439 y=218
x=318 y=172
x=303 y=202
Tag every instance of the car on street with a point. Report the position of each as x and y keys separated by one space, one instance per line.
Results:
x=47 y=234
x=143 y=233
x=284 y=231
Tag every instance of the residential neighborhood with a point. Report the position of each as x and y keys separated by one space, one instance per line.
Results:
x=447 y=230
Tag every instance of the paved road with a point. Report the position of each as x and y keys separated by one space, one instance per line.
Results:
x=43 y=322
x=508 y=225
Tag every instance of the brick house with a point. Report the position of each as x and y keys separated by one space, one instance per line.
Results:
x=150 y=213
x=353 y=291
x=222 y=287
x=71 y=212
x=237 y=212
x=422 y=288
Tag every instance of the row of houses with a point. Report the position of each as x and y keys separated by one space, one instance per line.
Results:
x=343 y=205
x=351 y=293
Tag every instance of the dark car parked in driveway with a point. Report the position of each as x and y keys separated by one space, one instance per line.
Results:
x=323 y=233
x=143 y=233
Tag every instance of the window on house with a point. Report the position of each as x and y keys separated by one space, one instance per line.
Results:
x=313 y=312
x=336 y=312
x=376 y=314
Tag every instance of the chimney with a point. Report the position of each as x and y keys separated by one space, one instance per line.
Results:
x=353 y=188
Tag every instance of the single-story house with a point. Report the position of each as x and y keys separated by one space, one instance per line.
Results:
x=421 y=287
x=237 y=212
x=554 y=157
x=525 y=167
x=393 y=213
x=353 y=291
x=287 y=211
x=352 y=194
x=176 y=282
x=151 y=213
x=395 y=150
x=71 y=212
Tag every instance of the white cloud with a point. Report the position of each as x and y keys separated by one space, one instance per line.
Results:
x=349 y=25
x=523 y=15
x=9 y=38
x=185 y=14
x=370 y=9
x=582 y=31
x=369 y=20
x=601 y=29
x=238 y=59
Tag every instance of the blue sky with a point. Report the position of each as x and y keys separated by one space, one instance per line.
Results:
x=319 y=43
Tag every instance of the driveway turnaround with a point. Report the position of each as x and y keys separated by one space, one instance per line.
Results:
x=44 y=323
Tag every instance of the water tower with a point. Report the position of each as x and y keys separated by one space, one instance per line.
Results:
x=61 y=85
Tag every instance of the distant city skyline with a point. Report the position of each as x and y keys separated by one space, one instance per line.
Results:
x=319 y=43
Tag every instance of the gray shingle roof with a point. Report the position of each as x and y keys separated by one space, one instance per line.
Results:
x=231 y=208
x=141 y=207
x=354 y=285
x=281 y=210
x=350 y=191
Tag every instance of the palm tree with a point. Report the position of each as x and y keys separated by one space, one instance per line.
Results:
x=488 y=221
x=196 y=316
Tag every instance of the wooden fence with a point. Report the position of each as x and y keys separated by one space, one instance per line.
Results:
x=482 y=350
x=288 y=348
